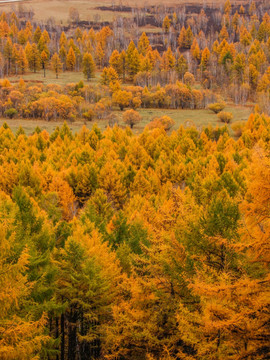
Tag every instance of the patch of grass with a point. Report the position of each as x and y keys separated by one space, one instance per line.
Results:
x=151 y=29
x=30 y=125
x=199 y=118
x=64 y=78
x=59 y=9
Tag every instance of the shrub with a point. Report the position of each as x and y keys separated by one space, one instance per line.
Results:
x=122 y=98
x=136 y=102
x=225 y=117
x=88 y=115
x=112 y=120
x=164 y=122
x=99 y=110
x=189 y=79
x=10 y=113
x=131 y=117
x=238 y=128
x=216 y=107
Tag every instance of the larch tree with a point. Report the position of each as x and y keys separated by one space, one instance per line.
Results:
x=44 y=61
x=63 y=56
x=143 y=44
x=37 y=34
x=115 y=61
x=205 y=59
x=132 y=60
x=8 y=52
x=166 y=24
x=71 y=59
x=20 y=336
x=182 y=38
x=56 y=65
x=21 y=61
x=88 y=66
x=33 y=58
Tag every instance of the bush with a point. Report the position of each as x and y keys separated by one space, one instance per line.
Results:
x=112 y=120
x=216 y=107
x=10 y=113
x=122 y=98
x=99 y=110
x=164 y=122
x=131 y=117
x=225 y=117
x=88 y=115
x=189 y=79
x=238 y=128
x=136 y=102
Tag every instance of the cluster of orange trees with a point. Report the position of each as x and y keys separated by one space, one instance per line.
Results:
x=81 y=100
x=135 y=247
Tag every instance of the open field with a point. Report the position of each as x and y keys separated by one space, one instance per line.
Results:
x=59 y=9
x=64 y=78
x=199 y=118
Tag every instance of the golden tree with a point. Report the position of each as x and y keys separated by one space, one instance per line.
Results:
x=56 y=64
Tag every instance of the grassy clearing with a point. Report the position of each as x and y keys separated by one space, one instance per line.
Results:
x=59 y=9
x=30 y=125
x=64 y=78
x=149 y=29
x=199 y=118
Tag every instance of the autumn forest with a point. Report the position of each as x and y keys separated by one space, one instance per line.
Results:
x=124 y=235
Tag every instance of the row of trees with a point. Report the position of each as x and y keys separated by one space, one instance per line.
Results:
x=135 y=247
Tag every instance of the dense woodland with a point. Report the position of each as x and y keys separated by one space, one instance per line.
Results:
x=136 y=247
x=119 y=246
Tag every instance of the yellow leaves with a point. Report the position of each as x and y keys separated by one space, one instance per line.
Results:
x=166 y=24
x=66 y=197
x=12 y=281
x=21 y=339
x=164 y=122
x=141 y=185
x=143 y=44
x=256 y=208
x=99 y=251
x=111 y=182
x=8 y=177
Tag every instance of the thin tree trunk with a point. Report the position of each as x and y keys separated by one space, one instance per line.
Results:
x=57 y=332
x=72 y=334
x=63 y=337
